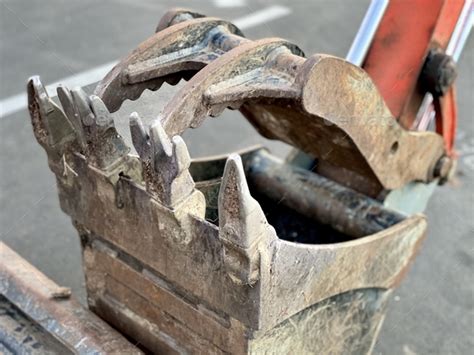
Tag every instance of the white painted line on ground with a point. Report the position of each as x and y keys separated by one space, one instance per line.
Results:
x=229 y=3
x=18 y=102
x=265 y=15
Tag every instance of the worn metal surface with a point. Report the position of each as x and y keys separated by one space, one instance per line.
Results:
x=357 y=314
x=405 y=78
x=21 y=335
x=54 y=309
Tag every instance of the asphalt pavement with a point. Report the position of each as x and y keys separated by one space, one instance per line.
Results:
x=433 y=310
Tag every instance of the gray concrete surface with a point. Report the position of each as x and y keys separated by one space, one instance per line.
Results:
x=431 y=312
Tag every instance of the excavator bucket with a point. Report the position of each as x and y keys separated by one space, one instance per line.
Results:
x=240 y=253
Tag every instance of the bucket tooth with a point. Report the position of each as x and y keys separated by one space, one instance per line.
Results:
x=161 y=147
x=103 y=118
x=140 y=137
x=69 y=107
x=82 y=105
x=36 y=88
x=165 y=162
x=51 y=127
x=105 y=145
x=243 y=227
x=180 y=151
x=65 y=97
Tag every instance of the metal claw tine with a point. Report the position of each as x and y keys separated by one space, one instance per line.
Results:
x=140 y=138
x=103 y=118
x=65 y=97
x=241 y=219
x=67 y=102
x=82 y=105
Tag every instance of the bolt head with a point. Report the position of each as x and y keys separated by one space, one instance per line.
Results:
x=439 y=72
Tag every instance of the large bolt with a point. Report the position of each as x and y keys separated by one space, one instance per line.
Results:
x=439 y=72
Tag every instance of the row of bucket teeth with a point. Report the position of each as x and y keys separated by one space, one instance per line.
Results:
x=83 y=123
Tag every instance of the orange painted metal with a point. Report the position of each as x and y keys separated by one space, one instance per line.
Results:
x=446 y=118
x=408 y=30
x=399 y=48
x=445 y=106
x=446 y=23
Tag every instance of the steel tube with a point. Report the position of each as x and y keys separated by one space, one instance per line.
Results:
x=364 y=36
x=317 y=197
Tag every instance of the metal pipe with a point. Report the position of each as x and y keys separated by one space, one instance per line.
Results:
x=461 y=31
x=55 y=311
x=367 y=29
x=317 y=197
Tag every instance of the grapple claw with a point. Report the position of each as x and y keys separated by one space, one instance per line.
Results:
x=240 y=73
